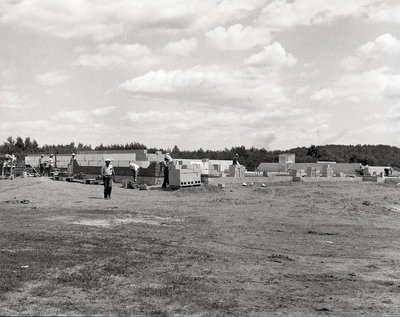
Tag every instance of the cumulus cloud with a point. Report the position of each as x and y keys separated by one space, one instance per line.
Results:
x=264 y=138
x=280 y=14
x=213 y=84
x=384 y=13
x=368 y=85
x=383 y=49
x=237 y=37
x=258 y=128
x=272 y=56
x=52 y=78
x=65 y=19
x=115 y=54
x=102 y=20
x=366 y=89
x=214 y=13
x=183 y=47
x=384 y=44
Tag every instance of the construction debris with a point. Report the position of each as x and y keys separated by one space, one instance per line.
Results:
x=17 y=201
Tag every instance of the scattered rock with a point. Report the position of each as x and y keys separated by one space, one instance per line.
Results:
x=321 y=309
x=244 y=184
x=279 y=258
x=321 y=233
x=18 y=201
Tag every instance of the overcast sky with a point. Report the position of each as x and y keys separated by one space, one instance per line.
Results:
x=201 y=73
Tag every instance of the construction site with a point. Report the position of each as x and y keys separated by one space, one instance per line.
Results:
x=85 y=167
x=289 y=238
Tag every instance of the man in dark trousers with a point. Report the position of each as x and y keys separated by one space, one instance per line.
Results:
x=107 y=171
x=235 y=160
x=134 y=169
x=165 y=166
x=41 y=164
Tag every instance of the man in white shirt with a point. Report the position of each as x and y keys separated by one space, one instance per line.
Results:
x=107 y=171
x=50 y=165
x=134 y=169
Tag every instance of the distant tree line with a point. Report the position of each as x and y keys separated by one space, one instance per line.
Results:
x=250 y=157
x=21 y=147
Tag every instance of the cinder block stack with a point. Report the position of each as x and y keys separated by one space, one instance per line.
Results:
x=295 y=173
x=312 y=172
x=184 y=177
x=141 y=155
x=153 y=170
x=327 y=171
x=237 y=171
x=217 y=167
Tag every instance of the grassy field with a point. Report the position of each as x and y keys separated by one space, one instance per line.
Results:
x=291 y=248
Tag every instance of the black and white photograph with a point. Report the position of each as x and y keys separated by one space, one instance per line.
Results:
x=200 y=158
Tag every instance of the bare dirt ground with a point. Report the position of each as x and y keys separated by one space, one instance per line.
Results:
x=288 y=248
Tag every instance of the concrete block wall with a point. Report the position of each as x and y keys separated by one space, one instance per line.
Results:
x=149 y=180
x=312 y=171
x=347 y=168
x=155 y=157
x=326 y=171
x=207 y=166
x=375 y=170
x=91 y=160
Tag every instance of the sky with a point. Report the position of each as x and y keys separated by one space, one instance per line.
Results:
x=208 y=74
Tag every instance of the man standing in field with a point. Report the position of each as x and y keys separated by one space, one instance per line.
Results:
x=51 y=165
x=41 y=165
x=235 y=160
x=134 y=169
x=107 y=172
x=165 y=166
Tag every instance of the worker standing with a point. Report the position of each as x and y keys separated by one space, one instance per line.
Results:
x=50 y=165
x=134 y=169
x=235 y=160
x=165 y=166
x=107 y=172
x=71 y=161
x=8 y=166
x=71 y=165
x=41 y=164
